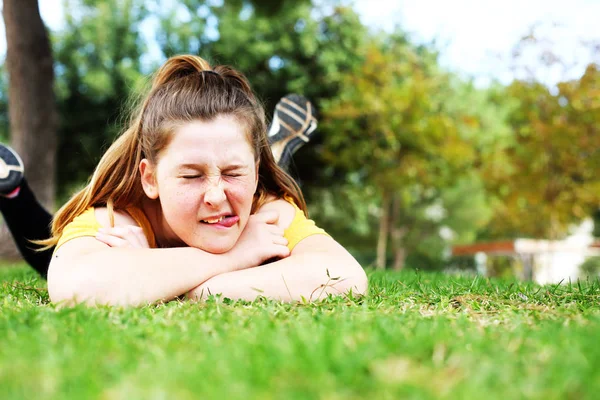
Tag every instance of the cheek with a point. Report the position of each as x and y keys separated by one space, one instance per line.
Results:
x=180 y=200
x=242 y=192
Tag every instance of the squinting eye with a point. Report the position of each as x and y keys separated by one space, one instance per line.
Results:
x=232 y=175
x=190 y=176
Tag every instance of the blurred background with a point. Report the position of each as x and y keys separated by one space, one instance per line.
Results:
x=453 y=135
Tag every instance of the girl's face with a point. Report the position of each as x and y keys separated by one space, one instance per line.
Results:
x=205 y=180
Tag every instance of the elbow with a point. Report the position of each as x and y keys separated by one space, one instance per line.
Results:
x=76 y=286
x=355 y=283
x=353 y=280
x=62 y=288
x=67 y=288
x=347 y=280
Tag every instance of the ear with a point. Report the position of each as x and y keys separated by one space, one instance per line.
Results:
x=148 y=175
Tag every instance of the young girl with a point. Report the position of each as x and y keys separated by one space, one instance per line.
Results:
x=189 y=200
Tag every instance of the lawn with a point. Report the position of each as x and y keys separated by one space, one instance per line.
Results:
x=416 y=335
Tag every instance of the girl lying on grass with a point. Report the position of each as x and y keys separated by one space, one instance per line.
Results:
x=190 y=201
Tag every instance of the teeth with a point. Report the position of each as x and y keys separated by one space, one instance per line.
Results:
x=213 y=221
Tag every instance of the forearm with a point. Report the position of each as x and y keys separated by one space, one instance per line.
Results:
x=132 y=276
x=304 y=276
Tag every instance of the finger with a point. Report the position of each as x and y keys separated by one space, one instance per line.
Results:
x=140 y=236
x=143 y=241
x=131 y=233
x=112 y=241
x=282 y=251
x=121 y=231
x=276 y=230
x=270 y=216
x=112 y=231
x=280 y=240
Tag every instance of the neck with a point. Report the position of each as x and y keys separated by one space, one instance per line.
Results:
x=162 y=232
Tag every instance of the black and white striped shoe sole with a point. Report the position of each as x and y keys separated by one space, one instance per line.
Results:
x=11 y=169
x=293 y=124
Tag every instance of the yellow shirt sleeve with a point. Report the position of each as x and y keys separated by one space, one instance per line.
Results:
x=86 y=224
x=83 y=225
x=300 y=228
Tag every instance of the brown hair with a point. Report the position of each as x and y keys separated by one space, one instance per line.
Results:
x=184 y=89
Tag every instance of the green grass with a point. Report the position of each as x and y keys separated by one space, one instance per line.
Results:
x=416 y=335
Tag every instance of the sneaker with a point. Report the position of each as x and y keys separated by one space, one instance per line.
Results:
x=11 y=170
x=293 y=124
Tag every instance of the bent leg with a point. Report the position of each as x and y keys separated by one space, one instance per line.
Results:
x=294 y=123
x=27 y=220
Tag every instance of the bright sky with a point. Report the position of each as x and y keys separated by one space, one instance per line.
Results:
x=475 y=36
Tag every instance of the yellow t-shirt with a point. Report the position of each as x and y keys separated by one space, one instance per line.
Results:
x=86 y=224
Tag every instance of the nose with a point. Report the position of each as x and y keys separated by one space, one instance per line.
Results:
x=215 y=194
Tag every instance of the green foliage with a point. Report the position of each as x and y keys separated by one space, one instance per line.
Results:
x=349 y=214
x=415 y=335
x=387 y=121
x=590 y=267
x=552 y=182
x=97 y=63
x=407 y=128
x=294 y=51
x=596 y=219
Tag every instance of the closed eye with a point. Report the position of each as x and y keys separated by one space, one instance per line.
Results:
x=190 y=176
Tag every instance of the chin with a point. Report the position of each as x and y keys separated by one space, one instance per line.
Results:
x=216 y=248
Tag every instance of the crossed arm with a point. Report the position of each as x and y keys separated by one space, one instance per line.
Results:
x=317 y=266
x=88 y=270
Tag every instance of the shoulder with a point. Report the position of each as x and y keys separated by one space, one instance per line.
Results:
x=285 y=209
x=121 y=217
x=78 y=237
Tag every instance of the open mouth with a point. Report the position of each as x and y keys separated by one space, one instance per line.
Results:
x=214 y=221
x=226 y=221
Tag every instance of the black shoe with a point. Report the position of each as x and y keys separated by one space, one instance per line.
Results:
x=293 y=124
x=11 y=170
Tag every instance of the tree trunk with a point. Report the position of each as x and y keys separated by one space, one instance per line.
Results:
x=397 y=233
x=399 y=258
x=384 y=227
x=32 y=107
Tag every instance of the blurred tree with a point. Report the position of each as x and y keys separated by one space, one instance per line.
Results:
x=391 y=126
x=481 y=117
x=596 y=219
x=98 y=65
x=31 y=104
x=555 y=156
x=4 y=125
x=548 y=180
x=302 y=48
x=590 y=268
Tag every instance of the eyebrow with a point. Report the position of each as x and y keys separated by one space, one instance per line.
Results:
x=199 y=166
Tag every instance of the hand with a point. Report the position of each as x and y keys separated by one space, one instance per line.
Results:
x=129 y=236
x=260 y=241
